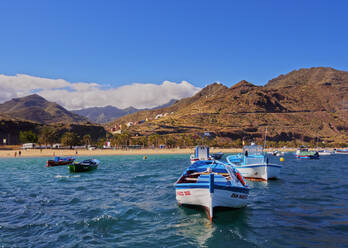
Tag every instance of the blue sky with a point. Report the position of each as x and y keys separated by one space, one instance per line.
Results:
x=121 y=42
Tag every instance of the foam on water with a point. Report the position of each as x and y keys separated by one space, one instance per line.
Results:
x=65 y=176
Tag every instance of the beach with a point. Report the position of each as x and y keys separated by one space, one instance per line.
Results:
x=102 y=152
x=110 y=152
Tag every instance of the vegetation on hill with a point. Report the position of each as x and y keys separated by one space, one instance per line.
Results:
x=18 y=132
x=32 y=119
x=304 y=106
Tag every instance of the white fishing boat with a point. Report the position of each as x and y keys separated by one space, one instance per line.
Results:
x=341 y=151
x=253 y=163
x=324 y=152
x=211 y=184
x=202 y=154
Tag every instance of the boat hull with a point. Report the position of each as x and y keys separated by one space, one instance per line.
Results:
x=86 y=165
x=223 y=196
x=324 y=153
x=307 y=156
x=260 y=172
x=81 y=168
x=341 y=152
x=52 y=163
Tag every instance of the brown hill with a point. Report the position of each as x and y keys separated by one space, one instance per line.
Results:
x=306 y=105
x=38 y=109
x=10 y=130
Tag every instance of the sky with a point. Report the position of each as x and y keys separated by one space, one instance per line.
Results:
x=143 y=53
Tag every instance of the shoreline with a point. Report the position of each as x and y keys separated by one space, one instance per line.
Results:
x=112 y=152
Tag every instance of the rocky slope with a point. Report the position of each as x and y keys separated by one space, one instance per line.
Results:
x=38 y=109
x=305 y=105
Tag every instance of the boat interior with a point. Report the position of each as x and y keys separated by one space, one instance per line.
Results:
x=199 y=173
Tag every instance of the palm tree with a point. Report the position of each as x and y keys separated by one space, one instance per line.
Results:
x=87 y=139
x=70 y=139
x=48 y=136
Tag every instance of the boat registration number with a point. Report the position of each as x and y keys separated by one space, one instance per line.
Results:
x=183 y=193
x=239 y=196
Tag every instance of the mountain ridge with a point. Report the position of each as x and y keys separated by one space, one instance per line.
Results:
x=38 y=109
x=302 y=104
x=108 y=113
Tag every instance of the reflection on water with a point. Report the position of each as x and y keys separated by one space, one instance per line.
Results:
x=228 y=225
x=195 y=226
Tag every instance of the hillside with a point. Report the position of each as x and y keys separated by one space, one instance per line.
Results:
x=38 y=109
x=303 y=105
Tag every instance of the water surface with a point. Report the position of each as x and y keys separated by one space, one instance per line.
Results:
x=130 y=202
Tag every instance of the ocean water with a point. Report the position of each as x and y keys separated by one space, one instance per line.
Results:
x=130 y=202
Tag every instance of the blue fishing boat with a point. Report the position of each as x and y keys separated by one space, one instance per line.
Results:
x=254 y=164
x=211 y=184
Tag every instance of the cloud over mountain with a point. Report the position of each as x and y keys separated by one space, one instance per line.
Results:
x=83 y=95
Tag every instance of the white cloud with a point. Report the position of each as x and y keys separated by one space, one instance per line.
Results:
x=83 y=95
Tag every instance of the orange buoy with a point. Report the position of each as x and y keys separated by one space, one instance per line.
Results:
x=240 y=178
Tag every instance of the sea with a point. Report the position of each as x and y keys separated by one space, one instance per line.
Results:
x=130 y=202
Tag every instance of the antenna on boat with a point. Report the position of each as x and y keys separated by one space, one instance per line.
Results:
x=264 y=144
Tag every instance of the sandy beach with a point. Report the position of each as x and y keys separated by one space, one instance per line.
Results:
x=105 y=152
x=99 y=152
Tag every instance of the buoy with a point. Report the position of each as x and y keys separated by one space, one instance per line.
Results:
x=145 y=157
x=240 y=178
x=281 y=159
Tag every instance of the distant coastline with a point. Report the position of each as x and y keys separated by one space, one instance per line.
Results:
x=112 y=152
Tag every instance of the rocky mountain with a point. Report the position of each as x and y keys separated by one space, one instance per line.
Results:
x=104 y=114
x=304 y=105
x=110 y=113
x=38 y=109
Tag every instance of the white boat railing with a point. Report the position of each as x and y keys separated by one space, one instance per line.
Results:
x=254 y=160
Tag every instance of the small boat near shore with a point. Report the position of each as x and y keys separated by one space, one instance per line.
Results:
x=324 y=153
x=276 y=153
x=303 y=152
x=211 y=184
x=85 y=165
x=217 y=156
x=254 y=164
x=341 y=151
x=58 y=161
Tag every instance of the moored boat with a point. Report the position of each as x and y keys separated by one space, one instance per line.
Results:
x=58 y=161
x=85 y=165
x=278 y=153
x=303 y=152
x=211 y=184
x=254 y=164
x=324 y=152
x=201 y=153
x=341 y=151
x=217 y=156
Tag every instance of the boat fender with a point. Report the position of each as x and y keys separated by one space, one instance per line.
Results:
x=240 y=178
x=281 y=159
